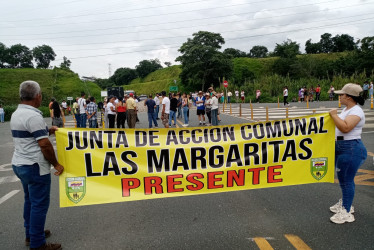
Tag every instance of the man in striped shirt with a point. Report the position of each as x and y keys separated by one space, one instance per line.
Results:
x=32 y=158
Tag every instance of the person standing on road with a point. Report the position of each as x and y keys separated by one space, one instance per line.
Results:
x=91 y=112
x=31 y=162
x=179 y=105
x=165 y=109
x=76 y=112
x=157 y=101
x=2 y=114
x=82 y=110
x=151 y=105
x=350 y=152
x=371 y=89
x=331 y=93
x=185 y=108
x=242 y=96
x=64 y=106
x=208 y=108
x=237 y=96
x=50 y=106
x=258 y=94
x=57 y=115
x=365 y=87
x=121 y=113
x=318 y=92
x=200 y=111
x=131 y=111
x=214 y=111
x=111 y=112
x=285 y=96
x=173 y=110
x=229 y=94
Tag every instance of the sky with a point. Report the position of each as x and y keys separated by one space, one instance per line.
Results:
x=102 y=36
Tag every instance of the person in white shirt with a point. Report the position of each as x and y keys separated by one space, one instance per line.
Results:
x=237 y=95
x=165 y=109
x=157 y=101
x=242 y=96
x=214 y=111
x=64 y=106
x=82 y=110
x=229 y=94
x=285 y=96
x=350 y=152
x=111 y=109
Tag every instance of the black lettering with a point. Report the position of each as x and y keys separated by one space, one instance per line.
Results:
x=122 y=139
x=125 y=158
x=307 y=150
x=164 y=160
x=276 y=149
x=171 y=138
x=182 y=137
x=213 y=157
x=89 y=171
x=233 y=156
x=255 y=131
x=194 y=139
x=264 y=150
x=140 y=138
x=180 y=159
x=78 y=141
x=218 y=133
x=290 y=151
x=96 y=137
x=110 y=159
x=300 y=126
x=312 y=126
x=242 y=131
x=200 y=157
x=321 y=124
x=273 y=130
x=110 y=137
x=285 y=129
x=71 y=141
x=253 y=153
x=228 y=132
x=152 y=138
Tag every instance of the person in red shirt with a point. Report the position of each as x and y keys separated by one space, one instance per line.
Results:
x=318 y=92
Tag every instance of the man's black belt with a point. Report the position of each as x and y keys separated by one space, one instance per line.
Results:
x=340 y=138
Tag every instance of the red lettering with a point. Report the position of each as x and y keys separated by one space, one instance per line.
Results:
x=233 y=175
x=212 y=180
x=152 y=182
x=192 y=179
x=271 y=174
x=128 y=184
x=171 y=183
x=256 y=175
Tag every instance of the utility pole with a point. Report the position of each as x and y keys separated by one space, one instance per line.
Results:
x=109 y=69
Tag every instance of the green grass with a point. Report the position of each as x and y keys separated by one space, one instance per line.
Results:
x=54 y=83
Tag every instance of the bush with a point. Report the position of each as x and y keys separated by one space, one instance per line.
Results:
x=9 y=110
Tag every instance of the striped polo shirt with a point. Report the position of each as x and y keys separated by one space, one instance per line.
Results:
x=28 y=126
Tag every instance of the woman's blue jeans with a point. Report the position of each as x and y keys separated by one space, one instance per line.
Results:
x=185 y=116
x=349 y=156
x=214 y=114
x=173 y=115
x=37 y=189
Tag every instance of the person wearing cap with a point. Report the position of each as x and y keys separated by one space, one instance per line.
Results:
x=157 y=101
x=214 y=110
x=200 y=100
x=350 y=152
x=131 y=111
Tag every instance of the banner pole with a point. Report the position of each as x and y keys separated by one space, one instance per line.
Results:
x=240 y=110
x=267 y=113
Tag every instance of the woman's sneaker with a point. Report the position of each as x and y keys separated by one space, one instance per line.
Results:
x=342 y=216
x=338 y=206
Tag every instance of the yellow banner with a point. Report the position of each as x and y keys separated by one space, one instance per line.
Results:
x=115 y=165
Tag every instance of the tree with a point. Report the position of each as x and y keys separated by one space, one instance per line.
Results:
x=104 y=83
x=288 y=49
x=258 y=51
x=312 y=48
x=367 y=43
x=43 y=56
x=65 y=64
x=147 y=66
x=168 y=64
x=19 y=56
x=123 y=76
x=235 y=53
x=3 y=55
x=202 y=62
x=326 y=43
x=343 y=42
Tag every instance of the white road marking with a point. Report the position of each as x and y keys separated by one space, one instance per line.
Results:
x=266 y=238
x=8 y=195
x=4 y=167
x=8 y=179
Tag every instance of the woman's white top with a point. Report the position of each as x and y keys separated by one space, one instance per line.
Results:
x=214 y=102
x=356 y=132
x=109 y=108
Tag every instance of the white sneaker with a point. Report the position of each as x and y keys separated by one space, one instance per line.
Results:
x=342 y=216
x=184 y=125
x=338 y=206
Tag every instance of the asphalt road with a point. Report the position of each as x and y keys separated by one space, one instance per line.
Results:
x=282 y=218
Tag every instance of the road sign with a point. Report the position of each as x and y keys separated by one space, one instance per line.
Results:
x=104 y=93
x=225 y=84
x=173 y=88
x=69 y=98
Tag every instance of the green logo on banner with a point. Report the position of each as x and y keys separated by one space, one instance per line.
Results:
x=75 y=188
x=318 y=167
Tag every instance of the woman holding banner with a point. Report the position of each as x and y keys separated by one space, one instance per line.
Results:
x=350 y=152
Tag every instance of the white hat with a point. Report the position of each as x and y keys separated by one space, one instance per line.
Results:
x=351 y=89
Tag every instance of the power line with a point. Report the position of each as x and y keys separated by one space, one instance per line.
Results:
x=268 y=26
x=179 y=12
x=230 y=39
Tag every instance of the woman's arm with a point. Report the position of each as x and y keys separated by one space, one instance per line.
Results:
x=345 y=125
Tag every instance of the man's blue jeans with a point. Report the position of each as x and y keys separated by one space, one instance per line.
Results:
x=185 y=116
x=78 y=120
x=157 y=109
x=83 y=122
x=92 y=123
x=2 y=117
x=36 y=189
x=349 y=156
x=214 y=114
x=173 y=115
x=152 y=117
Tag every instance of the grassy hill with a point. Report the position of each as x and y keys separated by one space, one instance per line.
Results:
x=156 y=81
x=54 y=83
